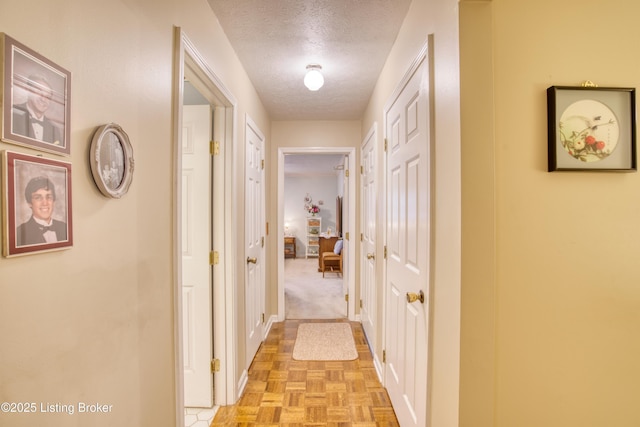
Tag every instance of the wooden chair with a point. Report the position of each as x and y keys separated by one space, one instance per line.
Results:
x=332 y=262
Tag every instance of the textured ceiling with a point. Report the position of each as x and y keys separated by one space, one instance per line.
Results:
x=276 y=39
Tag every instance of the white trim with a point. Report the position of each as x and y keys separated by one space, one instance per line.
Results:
x=351 y=225
x=377 y=363
x=178 y=87
x=272 y=319
x=186 y=56
x=242 y=383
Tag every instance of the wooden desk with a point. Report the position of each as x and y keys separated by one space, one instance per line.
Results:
x=289 y=247
x=326 y=245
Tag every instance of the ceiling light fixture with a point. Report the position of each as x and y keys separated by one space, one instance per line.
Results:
x=313 y=80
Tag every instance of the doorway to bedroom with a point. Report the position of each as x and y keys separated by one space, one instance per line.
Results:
x=314 y=220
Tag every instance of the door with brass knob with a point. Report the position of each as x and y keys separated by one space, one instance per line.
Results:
x=255 y=231
x=407 y=218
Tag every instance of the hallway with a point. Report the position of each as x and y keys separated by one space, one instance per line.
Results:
x=286 y=392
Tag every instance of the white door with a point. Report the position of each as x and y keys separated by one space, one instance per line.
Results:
x=196 y=244
x=408 y=236
x=254 y=236
x=368 y=252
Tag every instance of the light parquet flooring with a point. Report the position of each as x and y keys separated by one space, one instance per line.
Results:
x=291 y=393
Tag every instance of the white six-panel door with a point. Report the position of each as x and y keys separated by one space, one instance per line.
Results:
x=196 y=244
x=368 y=253
x=254 y=237
x=408 y=248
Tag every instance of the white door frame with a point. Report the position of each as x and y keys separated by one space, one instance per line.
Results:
x=350 y=223
x=188 y=61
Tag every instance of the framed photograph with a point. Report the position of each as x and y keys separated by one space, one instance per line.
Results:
x=591 y=128
x=36 y=96
x=36 y=214
x=111 y=160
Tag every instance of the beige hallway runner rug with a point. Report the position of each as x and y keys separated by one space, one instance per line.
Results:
x=324 y=341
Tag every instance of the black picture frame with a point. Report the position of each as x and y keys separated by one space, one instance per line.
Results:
x=591 y=129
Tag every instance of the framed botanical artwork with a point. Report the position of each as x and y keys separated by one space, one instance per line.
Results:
x=36 y=99
x=37 y=214
x=111 y=160
x=591 y=128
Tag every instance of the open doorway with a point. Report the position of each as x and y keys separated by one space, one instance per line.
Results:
x=203 y=340
x=314 y=282
x=296 y=225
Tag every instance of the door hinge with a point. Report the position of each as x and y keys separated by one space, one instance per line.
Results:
x=346 y=297
x=361 y=237
x=214 y=257
x=346 y=235
x=360 y=303
x=262 y=163
x=346 y=173
x=262 y=241
x=361 y=170
x=215 y=365
x=385 y=251
x=263 y=318
x=385 y=144
x=384 y=356
x=214 y=148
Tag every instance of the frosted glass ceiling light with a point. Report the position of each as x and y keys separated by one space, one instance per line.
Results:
x=313 y=80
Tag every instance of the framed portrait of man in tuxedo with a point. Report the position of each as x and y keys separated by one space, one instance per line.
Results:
x=37 y=214
x=36 y=96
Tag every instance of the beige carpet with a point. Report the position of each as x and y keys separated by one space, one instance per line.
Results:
x=310 y=296
x=325 y=341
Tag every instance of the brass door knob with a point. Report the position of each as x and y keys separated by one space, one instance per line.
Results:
x=251 y=260
x=411 y=297
x=371 y=256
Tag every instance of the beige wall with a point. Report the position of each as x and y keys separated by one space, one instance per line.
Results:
x=477 y=365
x=95 y=323
x=550 y=301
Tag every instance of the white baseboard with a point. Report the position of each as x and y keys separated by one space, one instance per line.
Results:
x=378 y=365
x=244 y=379
x=272 y=319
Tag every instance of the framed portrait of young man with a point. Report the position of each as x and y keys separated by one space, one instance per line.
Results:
x=36 y=96
x=37 y=214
